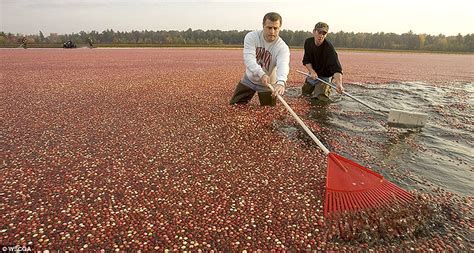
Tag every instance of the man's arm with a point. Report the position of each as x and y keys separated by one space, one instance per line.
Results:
x=250 y=57
x=337 y=79
x=307 y=60
x=283 y=65
x=311 y=71
x=283 y=68
x=336 y=68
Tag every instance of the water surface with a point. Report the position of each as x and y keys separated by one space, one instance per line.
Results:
x=437 y=155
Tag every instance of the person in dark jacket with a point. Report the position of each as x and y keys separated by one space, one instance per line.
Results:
x=24 y=43
x=89 y=40
x=321 y=60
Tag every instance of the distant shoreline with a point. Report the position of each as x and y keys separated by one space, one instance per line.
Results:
x=124 y=45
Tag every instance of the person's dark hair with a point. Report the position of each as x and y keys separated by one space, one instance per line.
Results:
x=272 y=16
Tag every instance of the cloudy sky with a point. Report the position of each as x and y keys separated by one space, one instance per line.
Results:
x=68 y=16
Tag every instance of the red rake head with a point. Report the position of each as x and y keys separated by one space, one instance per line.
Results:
x=352 y=187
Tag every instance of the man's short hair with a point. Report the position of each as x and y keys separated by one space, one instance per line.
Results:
x=272 y=16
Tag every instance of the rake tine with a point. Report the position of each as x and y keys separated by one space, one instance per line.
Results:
x=370 y=198
x=355 y=199
x=402 y=193
x=347 y=206
x=330 y=199
x=365 y=199
x=340 y=205
x=339 y=201
x=396 y=193
x=351 y=201
x=383 y=196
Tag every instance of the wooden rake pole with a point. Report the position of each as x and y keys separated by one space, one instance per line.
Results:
x=302 y=124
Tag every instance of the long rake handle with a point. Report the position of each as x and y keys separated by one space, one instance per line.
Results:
x=302 y=124
x=345 y=93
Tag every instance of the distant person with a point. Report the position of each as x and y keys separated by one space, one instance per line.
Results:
x=24 y=43
x=321 y=61
x=267 y=61
x=89 y=40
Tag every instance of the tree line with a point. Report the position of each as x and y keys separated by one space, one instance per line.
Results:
x=390 y=41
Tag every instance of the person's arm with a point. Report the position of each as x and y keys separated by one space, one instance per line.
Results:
x=250 y=57
x=307 y=60
x=337 y=79
x=283 y=68
x=311 y=71
x=335 y=68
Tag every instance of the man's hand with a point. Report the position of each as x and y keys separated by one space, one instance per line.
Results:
x=313 y=74
x=337 y=79
x=278 y=90
x=311 y=71
x=265 y=80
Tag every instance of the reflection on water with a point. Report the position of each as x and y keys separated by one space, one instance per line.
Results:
x=437 y=155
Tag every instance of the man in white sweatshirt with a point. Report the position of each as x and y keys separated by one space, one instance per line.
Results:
x=267 y=61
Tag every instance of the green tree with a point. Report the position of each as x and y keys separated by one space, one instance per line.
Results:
x=441 y=43
x=3 y=38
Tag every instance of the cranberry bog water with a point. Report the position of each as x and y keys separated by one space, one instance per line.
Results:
x=138 y=149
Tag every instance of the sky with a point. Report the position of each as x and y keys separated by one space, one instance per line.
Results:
x=72 y=16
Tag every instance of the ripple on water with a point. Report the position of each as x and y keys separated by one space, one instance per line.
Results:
x=439 y=153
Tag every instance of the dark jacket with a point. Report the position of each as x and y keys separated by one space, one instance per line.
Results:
x=323 y=58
